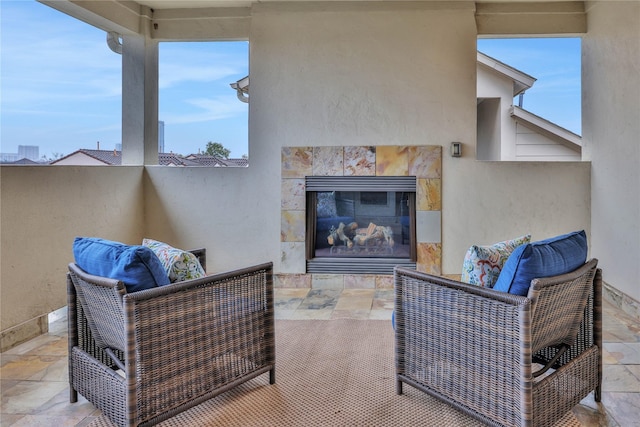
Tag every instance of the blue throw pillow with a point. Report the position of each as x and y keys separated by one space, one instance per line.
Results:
x=137 y=267
x=545 y=258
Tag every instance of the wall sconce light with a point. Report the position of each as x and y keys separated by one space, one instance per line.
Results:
x=456 y=149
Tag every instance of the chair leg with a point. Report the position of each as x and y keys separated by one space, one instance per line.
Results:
x=272 y=375
x=398 y=387
x=597 y=393
x=73 y=395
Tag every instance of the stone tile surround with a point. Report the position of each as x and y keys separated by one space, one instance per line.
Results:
x=422 y=161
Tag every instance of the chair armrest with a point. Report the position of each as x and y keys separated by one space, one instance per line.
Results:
x=462 y=341
x=201 y=334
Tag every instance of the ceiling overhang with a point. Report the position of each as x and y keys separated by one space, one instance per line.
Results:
x=202 y=20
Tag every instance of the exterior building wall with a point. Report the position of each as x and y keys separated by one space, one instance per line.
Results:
x=611 y=108
x=501 y=145
x=533 y=146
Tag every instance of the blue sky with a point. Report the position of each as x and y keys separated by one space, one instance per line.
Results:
x=61 y=85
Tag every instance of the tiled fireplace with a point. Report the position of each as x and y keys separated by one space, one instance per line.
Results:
x=300 y=163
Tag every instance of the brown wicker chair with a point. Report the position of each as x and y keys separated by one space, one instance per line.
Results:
x=143 y=357
x=481 y=350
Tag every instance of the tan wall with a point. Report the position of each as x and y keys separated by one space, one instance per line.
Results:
x=611 y=125
x=232 y=212
x=43 y=209
x=362 y=74
x=350 y=77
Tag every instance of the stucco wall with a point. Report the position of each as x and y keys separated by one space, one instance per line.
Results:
x=321 y=75
x=387 y=76
x=611 y=108
x=43 y=209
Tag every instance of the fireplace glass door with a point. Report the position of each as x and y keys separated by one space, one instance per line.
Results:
x=361 y=224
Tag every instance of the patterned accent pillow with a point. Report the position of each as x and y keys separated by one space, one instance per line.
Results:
x=482 y=264
x=180 y=265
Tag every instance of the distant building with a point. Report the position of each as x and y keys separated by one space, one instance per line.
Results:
x=31 y=152
x=160 y=136
x=87 y=157
x=28 y=152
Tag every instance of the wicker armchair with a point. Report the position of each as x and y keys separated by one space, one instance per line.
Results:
x=143 y=357
x=481 y=350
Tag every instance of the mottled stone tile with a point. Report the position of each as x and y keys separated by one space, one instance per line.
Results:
x=27 y=366
x=375 y=314
x=284 y=293
x=624 y=353
x=47 y=420
x=41 y=341
x=292 y=259
x=327 y=281
x=635 y=370
x=27 y=396
x=623 y=407
x=287 y=304
x=292 y=226
x=593 y=416
x=425 y=161
x=58 y=406
x=7 y=420
x=429 y=195
x=293 y=194
x=301 y=280
x=360 y=293
x=318 y=299
x=618 y=378
x=354 y=303
x=383 y=304
x=359 y=161
x=385 y=294
x=328 y=161
x=297 y=162
x=430 y=258
x=281 y=314
x=384 y=282
x=429 y=226
x=392 y=160
x=56 y=371
x=359 y=281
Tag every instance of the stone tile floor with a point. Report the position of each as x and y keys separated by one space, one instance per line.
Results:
x=35 y=392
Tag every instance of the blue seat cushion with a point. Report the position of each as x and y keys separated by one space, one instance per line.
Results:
x=544 y=258
x=137 y=267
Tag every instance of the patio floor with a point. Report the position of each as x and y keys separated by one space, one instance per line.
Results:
x=35 y=374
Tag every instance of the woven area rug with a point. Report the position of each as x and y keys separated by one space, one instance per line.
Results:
x=328 y=373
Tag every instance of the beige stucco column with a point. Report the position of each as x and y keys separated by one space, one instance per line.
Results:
x=139 y=100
